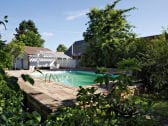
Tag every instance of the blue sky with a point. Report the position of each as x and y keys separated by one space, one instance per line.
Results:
x=63 y=21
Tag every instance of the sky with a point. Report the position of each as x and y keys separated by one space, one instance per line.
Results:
x=64 y=21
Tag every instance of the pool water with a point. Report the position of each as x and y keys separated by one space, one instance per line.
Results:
x=70 y=78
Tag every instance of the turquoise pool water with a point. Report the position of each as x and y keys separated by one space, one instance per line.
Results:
x=70 y=78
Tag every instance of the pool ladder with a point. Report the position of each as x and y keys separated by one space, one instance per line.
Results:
x=51 y=76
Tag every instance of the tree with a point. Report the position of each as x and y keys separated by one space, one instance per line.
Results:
x=61 y=48
x=5 y=21
x=107 y=36
x=152 y=55
x=5 y=57
x=27 y=33
x=16 y=49
x=2 y=43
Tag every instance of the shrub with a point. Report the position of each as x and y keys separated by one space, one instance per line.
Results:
x=153 y=57
x=12 y=111
x=10 y=105
x=116 y=107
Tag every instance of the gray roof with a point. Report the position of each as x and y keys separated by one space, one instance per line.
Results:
x=34 y=50
x=76 y=49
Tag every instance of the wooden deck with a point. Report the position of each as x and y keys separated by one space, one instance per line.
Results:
x=45 y=96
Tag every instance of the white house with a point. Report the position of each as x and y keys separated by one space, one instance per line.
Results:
x=35 y=57
x=43 y=58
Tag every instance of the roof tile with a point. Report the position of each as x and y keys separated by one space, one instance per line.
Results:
x=33 y=50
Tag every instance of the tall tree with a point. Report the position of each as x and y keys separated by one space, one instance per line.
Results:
x=107 y=36
x=27 y=33
x=2 y=43
x=61 y=48
x=16 y=50
x=152 y=54
x=5 y=57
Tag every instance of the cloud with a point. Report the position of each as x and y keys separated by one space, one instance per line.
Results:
x=48 y=34
x=77 y=14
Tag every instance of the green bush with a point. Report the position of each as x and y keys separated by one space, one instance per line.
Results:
x=100 y=110
x=152 y=54
x=91 y=108
x=12 y=111
x=101 y=70
x=10 y=105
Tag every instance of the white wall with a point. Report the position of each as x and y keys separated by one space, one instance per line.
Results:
x=25 y=61
x=30 y=62
x=40 y=61
x=22 y=62
x=18 y=64
x=68 y=63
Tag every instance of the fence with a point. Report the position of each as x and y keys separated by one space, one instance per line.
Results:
x=67 y=63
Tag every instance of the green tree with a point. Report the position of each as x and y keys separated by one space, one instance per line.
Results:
x=11 y=97
x=16 y=50
x=152 y=54
x=27 y=33
x=5 y=57
x=5 y=20
x=2 y=43
x=107 y=36
x=61 y=48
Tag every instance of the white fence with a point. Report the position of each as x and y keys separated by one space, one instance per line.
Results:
x=67 y=63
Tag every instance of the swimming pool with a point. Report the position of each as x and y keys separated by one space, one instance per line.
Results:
x=70 y=78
